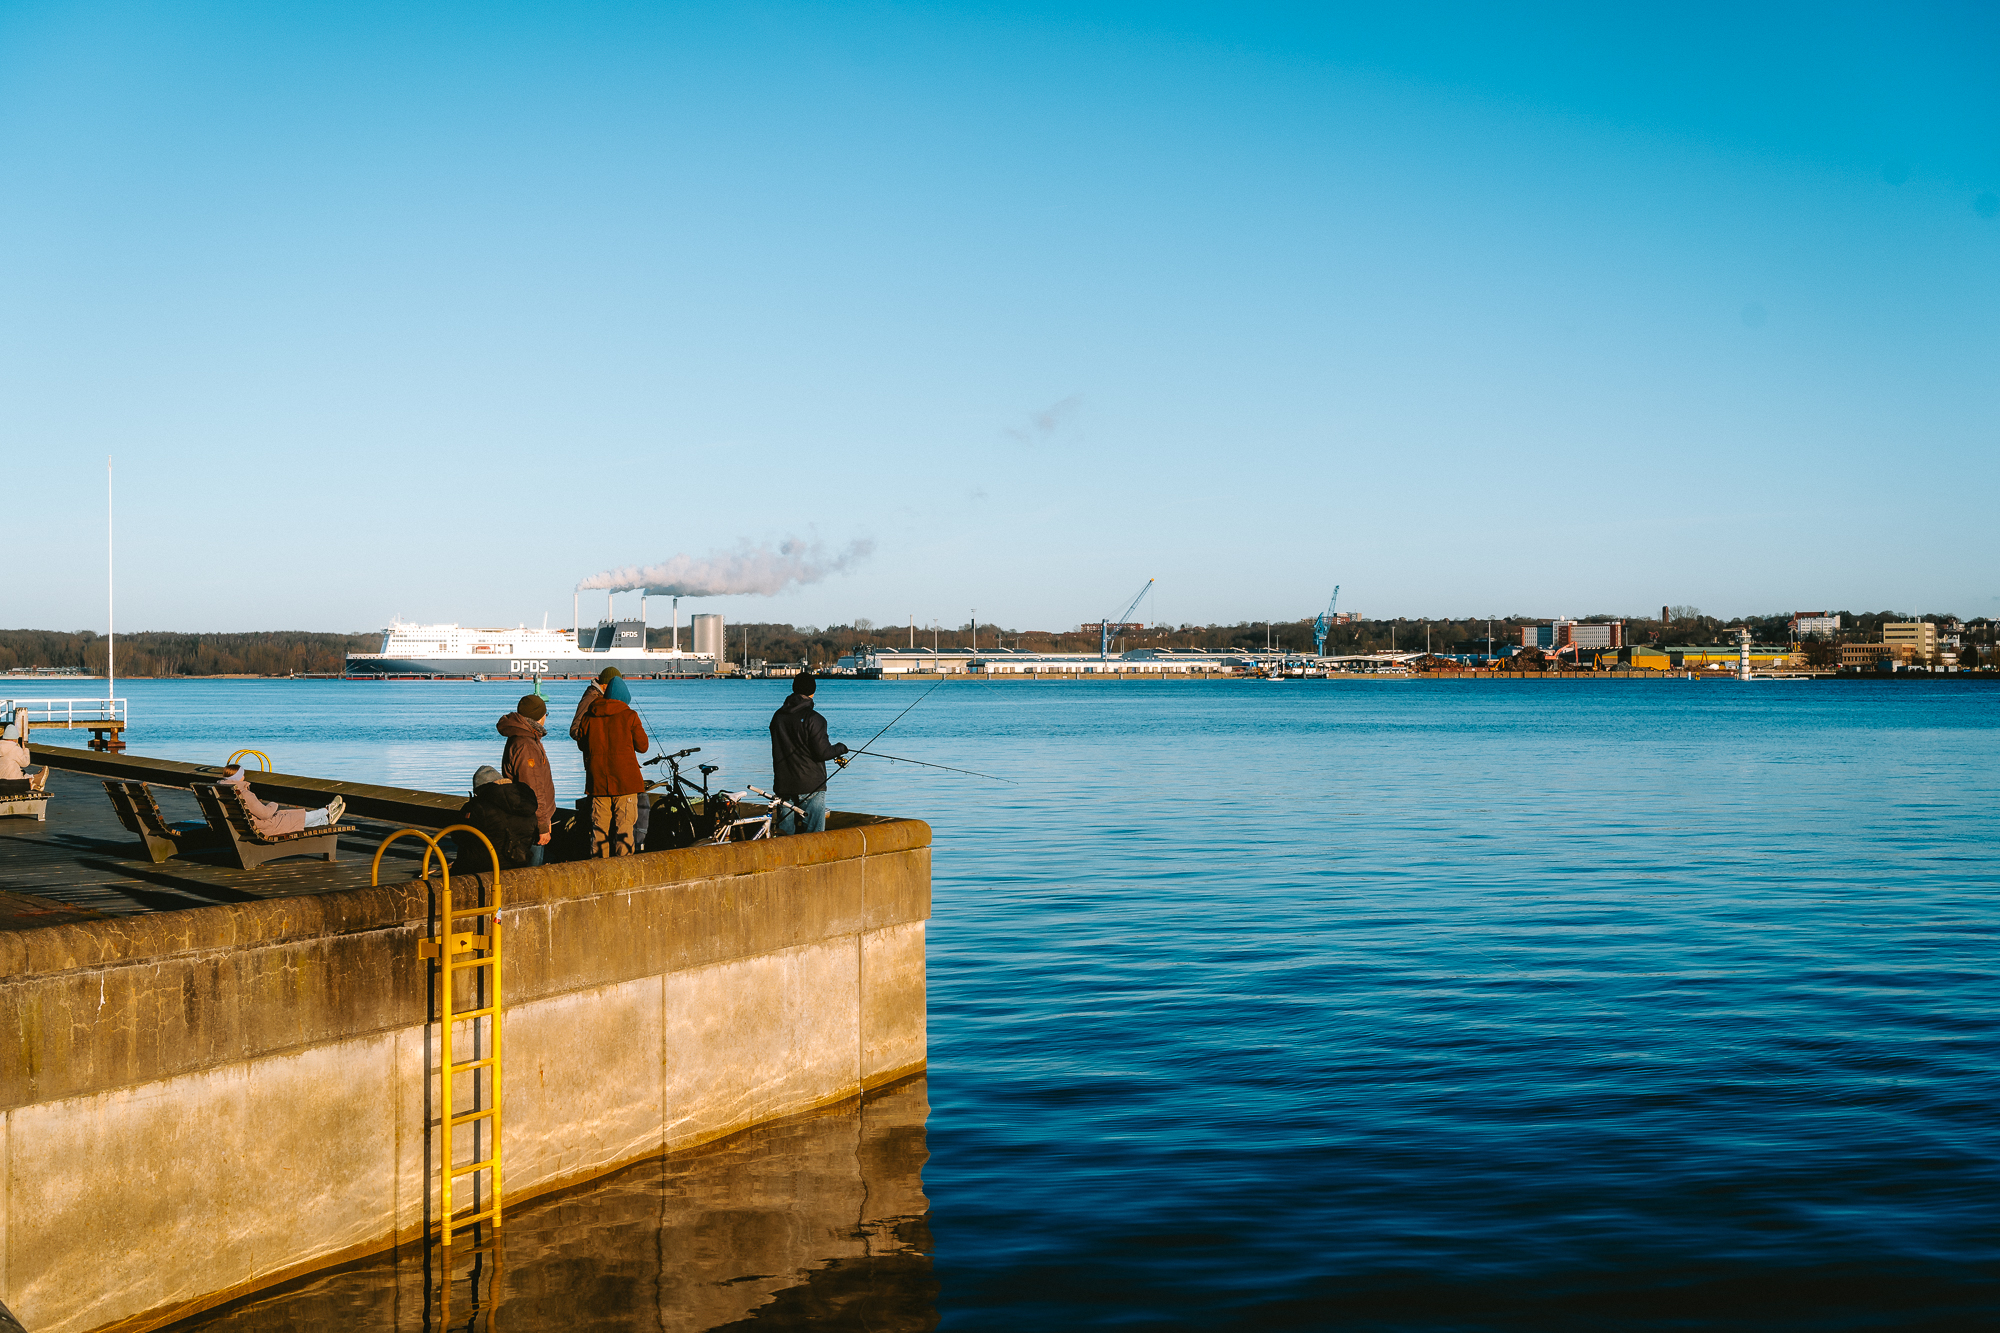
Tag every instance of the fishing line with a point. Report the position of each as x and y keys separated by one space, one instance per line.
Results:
x=900 y=716
x=877 y=754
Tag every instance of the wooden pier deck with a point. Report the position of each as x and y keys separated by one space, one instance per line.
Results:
x=82 y=863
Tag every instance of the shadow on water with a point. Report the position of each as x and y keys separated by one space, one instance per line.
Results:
x=814 y=1221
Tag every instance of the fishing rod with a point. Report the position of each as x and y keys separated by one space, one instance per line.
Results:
x=877 y=754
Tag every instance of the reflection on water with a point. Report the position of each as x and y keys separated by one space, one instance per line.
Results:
x=1404 y=1006
x=816 y=1220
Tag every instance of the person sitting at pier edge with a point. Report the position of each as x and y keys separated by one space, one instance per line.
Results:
x=591 y=694
x=14 y=763
x=613 y=740
x=504 y=811
x=274 y=820
x=526 y=762
x=799 y=751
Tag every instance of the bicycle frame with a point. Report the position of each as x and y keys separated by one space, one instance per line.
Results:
x=764 y=823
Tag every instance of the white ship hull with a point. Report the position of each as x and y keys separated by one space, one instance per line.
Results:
x=544 y=667
x=451 y=650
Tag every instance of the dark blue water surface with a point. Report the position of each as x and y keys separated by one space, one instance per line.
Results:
x=1393 y=1004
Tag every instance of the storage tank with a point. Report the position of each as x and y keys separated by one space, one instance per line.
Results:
x=710 y=639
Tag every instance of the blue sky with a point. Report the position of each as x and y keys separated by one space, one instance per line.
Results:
x=436 y=310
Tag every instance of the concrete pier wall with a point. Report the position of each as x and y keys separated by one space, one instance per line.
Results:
x=201 y=1103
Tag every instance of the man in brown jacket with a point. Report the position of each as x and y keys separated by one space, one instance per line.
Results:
x=526 y=762
x=613 y=740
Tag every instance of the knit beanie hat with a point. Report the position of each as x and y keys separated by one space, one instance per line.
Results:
x=484 y=774
x=804 y=683
x=532 y=707
x=618 y=690
x=609 y=674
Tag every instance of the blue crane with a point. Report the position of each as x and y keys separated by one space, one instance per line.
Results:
x=1104 y=627
x=1324 y=623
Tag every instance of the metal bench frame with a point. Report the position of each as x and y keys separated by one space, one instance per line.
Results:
x=34 y=803
x=140 y=812
x=228 y=817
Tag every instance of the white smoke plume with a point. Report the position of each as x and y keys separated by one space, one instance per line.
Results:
x=763 y=570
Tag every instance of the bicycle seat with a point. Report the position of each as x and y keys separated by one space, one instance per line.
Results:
x=711 y=768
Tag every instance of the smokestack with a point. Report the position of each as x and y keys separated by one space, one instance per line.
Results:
x=1665 y=616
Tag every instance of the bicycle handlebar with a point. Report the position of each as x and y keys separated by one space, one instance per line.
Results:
x=669 y=758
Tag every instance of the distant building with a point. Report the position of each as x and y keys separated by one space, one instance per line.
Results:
x=1561 y=635
x=1635 y=658
x=1727 y=657
x=1609 y=634
x=1921 y=636
x=1015 y=662
x=1815 y=624
x=710 y=637
x=1869 y=656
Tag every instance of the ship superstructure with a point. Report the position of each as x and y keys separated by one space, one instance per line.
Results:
x=462 y=650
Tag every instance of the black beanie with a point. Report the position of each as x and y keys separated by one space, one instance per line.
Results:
x=533 y=707
x=804 y=683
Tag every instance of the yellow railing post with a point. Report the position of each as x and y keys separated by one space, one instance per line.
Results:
x=444 y=948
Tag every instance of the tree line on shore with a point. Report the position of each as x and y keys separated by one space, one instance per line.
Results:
x=163 y=653
x=287 y=652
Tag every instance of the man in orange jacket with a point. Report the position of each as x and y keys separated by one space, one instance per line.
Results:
x=613 y=739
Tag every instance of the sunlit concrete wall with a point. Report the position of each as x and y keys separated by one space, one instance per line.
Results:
x=200 y=1103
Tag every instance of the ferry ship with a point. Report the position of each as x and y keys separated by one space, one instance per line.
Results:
x=462 y=651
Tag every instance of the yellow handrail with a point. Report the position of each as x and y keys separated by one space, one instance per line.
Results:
x=442 y=949
x=240 y=753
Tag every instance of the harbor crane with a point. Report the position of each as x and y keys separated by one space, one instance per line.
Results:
x=1105 y=626
x=1325 y=623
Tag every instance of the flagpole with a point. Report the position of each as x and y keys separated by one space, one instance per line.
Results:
x=110 y=601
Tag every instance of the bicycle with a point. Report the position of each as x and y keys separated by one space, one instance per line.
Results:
x=674 y=822
x=749 y=828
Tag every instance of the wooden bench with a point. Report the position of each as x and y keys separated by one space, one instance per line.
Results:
x=223 y=805
x=139 y=811
x=34 y=803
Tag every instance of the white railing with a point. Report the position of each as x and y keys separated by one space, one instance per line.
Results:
x=63 y=712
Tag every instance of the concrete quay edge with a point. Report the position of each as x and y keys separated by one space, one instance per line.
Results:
x=212 y=986
x=53 y=950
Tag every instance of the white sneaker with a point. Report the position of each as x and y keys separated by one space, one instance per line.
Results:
x=336 y=810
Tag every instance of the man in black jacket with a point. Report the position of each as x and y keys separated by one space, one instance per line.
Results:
x=799 y=751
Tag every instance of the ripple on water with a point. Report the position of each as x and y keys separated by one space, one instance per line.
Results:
x=1380 y=1005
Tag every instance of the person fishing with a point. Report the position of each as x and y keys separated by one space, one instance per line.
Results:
x=799 y=751
x=613 y=739
x=591 y=694
x=525 y=761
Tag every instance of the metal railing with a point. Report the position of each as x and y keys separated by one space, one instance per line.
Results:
x=63 y=712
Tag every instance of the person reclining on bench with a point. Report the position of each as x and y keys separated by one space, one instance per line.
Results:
x=14 y=763
x=274 y=821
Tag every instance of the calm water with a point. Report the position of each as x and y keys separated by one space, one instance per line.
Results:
x=1382 y=1005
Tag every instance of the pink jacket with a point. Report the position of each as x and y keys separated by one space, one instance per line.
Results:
x=14 y=761
x=268 y=819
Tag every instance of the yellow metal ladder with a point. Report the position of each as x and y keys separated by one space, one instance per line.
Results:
x=464 y=941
